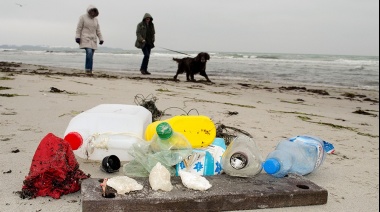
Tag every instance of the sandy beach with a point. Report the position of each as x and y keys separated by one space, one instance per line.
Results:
x=347 y=118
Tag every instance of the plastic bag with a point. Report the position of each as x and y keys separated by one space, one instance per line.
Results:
x=145 y=159
x=123 y=184
x=194 y=181
x=159 y=178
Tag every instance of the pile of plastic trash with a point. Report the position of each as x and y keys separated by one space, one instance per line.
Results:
x=184 y=146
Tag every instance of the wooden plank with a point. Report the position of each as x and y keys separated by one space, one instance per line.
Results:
x=227 y=193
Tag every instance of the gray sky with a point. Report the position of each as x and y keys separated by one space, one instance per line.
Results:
x=349 y=27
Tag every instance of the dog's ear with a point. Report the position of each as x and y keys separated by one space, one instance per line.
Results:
x=198 y=57
x=207 y=56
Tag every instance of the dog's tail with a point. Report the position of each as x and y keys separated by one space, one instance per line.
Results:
x=177 y=60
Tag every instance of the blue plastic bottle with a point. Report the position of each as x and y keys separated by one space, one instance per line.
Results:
x=299 y=155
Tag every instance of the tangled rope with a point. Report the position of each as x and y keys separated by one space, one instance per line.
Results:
x=149 y=103
x=229 y=133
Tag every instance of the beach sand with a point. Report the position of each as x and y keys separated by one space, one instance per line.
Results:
x=347 y=118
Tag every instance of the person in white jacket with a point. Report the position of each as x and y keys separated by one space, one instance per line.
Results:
x=87 y=34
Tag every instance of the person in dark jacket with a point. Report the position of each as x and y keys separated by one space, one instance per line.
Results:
x=145 y=33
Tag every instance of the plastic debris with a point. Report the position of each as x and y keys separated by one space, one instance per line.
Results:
x=242 y=158
x=159 y=178
x=169 y=150
x=329 y=147
x=298 y=155
x=124 y=184
x=194 y=181
x=54 y=170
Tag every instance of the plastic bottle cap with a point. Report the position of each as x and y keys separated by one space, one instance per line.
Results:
x=219 y=142
x=75 y=140
x=164 y=130
x=110 y=164
x=271 y=166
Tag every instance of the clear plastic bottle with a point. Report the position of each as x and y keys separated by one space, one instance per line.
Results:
x=299 y=155
x=166 y=147
x=242 y=158
x=166 y=139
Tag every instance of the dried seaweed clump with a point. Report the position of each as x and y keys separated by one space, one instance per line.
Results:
x=149 y=103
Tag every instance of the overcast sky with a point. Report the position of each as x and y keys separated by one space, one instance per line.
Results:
x=348 y=27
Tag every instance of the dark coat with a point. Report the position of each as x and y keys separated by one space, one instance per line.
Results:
x=141 y=32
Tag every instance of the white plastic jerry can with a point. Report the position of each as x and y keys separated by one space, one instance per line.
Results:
x=107 y=129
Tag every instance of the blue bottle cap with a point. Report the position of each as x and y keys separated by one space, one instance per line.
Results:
x=272 y=166
x=219 y=142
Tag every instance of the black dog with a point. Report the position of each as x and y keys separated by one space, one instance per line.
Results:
x=193 y=66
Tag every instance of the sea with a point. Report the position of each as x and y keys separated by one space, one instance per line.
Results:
x=348 y=71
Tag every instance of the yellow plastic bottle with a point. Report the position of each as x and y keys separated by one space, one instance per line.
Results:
x=200 y=131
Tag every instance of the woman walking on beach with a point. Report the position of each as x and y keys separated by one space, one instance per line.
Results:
x=86 y=35
x=145 y=40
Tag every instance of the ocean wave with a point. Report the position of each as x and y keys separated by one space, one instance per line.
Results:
x=8 y=50
x=267 y=57
x=357 y=62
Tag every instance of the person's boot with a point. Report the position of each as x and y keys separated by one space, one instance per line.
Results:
x=147 y=73
x=143 y=72
x=88 y=72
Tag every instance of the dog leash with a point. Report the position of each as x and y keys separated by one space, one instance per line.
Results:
x=174 y=51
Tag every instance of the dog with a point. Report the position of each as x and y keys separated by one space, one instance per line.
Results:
x=192 y=66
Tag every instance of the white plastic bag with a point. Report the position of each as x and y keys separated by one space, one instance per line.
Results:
x=159 y=178
x=194 y=181
x=124 y=184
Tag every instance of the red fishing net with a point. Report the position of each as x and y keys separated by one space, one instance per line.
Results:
x=54 y=170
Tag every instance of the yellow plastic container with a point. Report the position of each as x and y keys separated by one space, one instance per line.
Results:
x=199 y=130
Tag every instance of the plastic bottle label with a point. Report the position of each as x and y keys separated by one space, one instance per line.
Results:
x=312 y=142
x=200 y=162
x=239 y=160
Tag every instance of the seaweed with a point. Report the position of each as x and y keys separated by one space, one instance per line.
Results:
x=6 y=78
x=293 y=112
x=232 y=113
x=225 y=93
x=239 y=105
x=10 y=64
x=296 y=103
x=56 y=90
x=4 y=88
x=163 y=90
x=303 y=89
x=304 y=118
x=352 y=95
x=149 y=103
x=318 y=91
x=362 y=112
x=229 y=133
x=10 y=95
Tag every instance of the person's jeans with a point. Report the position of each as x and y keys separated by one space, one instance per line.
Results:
x=89 y=58
x=146 y=50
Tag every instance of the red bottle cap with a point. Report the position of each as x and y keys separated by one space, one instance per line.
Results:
x=75 y=140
